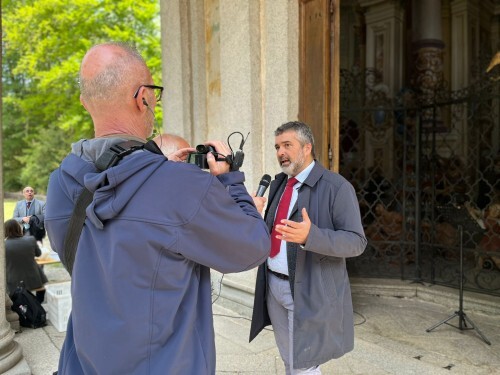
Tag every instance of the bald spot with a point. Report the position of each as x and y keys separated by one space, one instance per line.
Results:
x=110 y=71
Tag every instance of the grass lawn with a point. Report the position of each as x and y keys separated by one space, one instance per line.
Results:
x=8 y=208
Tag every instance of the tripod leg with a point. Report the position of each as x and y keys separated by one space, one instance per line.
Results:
x=462 y=324
x=442 y=322
x=477 y=329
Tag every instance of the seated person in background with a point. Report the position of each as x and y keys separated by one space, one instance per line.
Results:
x=27 y=207
x=20 y=253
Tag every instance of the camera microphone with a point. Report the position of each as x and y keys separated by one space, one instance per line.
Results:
x=263 y=185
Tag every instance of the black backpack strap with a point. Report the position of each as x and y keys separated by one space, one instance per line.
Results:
x=107 y=160
x=151 y=146
x=75 y=228
x=115 y=153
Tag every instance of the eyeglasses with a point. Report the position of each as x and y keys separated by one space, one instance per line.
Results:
x=158 y=91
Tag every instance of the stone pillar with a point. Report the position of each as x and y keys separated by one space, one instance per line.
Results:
x=231 y=66
x=11 y=316
x=183 y=69
x=384 y=21
x=464 y=42
x=384 y=42
x=464 y=49
x=427 y=49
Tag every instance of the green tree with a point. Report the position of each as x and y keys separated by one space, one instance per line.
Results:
x=44 y=42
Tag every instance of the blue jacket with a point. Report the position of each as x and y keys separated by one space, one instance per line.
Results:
x=141 y=279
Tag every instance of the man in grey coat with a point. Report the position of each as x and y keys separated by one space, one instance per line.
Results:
x=28 y=207
x=303 y=288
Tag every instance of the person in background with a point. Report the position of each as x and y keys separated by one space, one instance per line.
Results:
x=302 y=289
x=174 y=147
x=28 y=207
x=20 y=264
x=141 y=276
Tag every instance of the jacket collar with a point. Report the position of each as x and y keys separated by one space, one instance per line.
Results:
x=314 y=175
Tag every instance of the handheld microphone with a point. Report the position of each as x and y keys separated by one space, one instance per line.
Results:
x=263 y=185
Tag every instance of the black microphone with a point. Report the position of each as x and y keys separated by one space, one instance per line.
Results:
x=263 y=185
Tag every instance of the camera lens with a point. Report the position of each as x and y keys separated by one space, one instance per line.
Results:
x=202 y=149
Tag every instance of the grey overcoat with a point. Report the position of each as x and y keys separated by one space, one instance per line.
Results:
x=37 y=207
x=323 y=314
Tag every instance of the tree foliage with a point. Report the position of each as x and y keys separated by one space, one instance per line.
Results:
x=44 y=42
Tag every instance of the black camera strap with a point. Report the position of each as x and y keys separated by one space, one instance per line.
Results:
x=108 y=159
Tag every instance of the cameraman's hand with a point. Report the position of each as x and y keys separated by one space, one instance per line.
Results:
x=218 y=167
x=180 y=154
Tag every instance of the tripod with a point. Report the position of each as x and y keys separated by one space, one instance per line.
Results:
x=454 y=213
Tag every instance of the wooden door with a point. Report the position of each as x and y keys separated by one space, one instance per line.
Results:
x=319 y=75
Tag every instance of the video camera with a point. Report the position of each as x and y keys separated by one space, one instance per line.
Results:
x=200 y=156
x=235 y=159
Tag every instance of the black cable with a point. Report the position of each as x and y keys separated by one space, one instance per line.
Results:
x=362 y=317
x=242 y=317
x=220 y=288
x=243 y=140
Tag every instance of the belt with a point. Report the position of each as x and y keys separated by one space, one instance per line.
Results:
x=278 y=275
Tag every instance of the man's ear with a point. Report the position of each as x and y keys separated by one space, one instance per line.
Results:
x=140 y=102
x=308 y=148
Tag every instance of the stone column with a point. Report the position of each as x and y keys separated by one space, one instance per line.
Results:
x=465 y=38
x=183 y=69
x=464 y=49
x=231 y=66
x=427 y=48
x=384 y=42
x=384 y=63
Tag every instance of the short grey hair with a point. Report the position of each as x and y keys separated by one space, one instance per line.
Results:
x=108 y=82
x=303 y=131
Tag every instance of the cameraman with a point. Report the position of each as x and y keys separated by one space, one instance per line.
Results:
x=141 y=277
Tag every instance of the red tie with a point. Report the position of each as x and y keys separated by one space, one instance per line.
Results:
x=28 y=204
x=281 y=214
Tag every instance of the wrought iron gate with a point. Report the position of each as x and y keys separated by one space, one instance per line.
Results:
x=427 y=171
